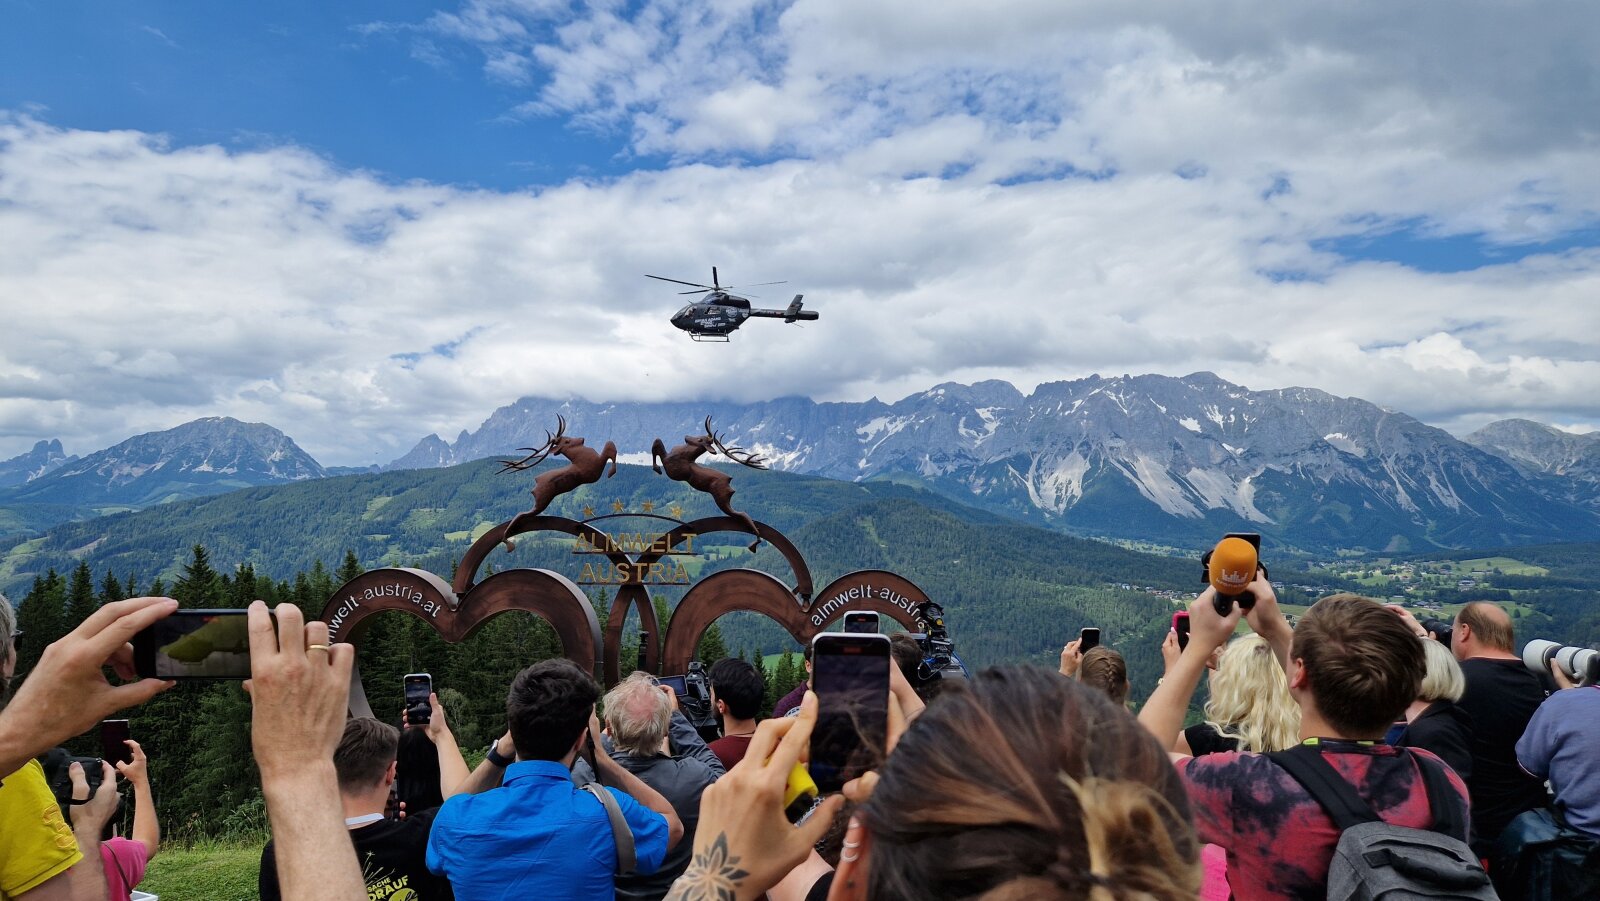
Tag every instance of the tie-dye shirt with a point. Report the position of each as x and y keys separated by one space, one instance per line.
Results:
x=1278 y=838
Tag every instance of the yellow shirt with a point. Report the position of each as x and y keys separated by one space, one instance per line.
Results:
x=36 y=844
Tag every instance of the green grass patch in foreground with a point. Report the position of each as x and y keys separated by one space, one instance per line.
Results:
x=205 y=872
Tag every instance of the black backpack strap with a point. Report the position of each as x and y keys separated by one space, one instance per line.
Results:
x=1443 y=801
x=1329 y=789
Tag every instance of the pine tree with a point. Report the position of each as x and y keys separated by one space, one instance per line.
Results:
x=349 y=569
x=42 y=618
x=81 y=600
x=767 y=697
x=112 y=591
x=712 y=648
x=200 y=586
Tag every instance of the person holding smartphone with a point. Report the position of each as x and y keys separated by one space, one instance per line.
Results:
x=125 y=859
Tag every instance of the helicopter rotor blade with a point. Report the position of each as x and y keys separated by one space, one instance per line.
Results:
x=681 y=282
x=714 y=283
x=756 y=285
x=695 y=291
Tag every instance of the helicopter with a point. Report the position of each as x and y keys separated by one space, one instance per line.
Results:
x=717 y=314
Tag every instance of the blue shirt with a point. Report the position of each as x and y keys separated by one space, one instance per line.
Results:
x=538 y=836
x=1559 y=745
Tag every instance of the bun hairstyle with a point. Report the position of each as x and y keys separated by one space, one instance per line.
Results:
x=1020 y=784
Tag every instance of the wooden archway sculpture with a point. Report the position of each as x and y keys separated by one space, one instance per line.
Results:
x=732 y=590
x=424 y=595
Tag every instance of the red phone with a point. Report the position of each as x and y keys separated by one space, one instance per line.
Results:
x=1180 y=624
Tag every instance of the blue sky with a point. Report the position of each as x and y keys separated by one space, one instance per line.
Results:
x=252 y=74
x=366 y=221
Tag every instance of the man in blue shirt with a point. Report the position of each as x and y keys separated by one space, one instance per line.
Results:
x=1560 y=746
x=538 y=835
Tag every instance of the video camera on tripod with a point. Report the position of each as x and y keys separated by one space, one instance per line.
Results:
x=693 y=690
x=939 y=660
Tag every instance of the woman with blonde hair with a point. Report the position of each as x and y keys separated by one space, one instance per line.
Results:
x=1434 y=721
x=1249 y=708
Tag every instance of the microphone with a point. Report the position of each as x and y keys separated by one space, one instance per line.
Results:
x=1230 y=568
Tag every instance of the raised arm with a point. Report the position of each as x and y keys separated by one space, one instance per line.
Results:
x=1164 y=713
x=299 y=688
x=67 y=691
x=488 y=774
x=146 y=827
x=1266 y=620
x=611 y=773
x=453 y=772
x=686 y=742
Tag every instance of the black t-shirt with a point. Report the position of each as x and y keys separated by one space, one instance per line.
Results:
x=1203 y=738
x=392 y=855
x=1501 y=698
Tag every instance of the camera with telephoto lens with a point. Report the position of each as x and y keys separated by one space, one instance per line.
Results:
x=939 y=660
x=695 y=704
x=1581 y=665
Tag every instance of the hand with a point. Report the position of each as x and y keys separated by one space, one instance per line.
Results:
x=901 y=694
x=859 y=789
x=744 y=845
x=436 y=727
x=1409 y=620
x=299 y=695
x=1170 y=652
x=91 y=818
x=672 y=696
x=67 y=691
x=1264 y=617
x=506 y=747
x=1070 y=657
x=1563 y=681
x=1209 y=630
x=137 y=772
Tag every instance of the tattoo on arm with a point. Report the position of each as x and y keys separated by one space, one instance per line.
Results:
x=713 y=875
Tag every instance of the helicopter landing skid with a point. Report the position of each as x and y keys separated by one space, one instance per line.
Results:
x=710 y=339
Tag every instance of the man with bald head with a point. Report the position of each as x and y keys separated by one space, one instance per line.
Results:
x=1501 y=698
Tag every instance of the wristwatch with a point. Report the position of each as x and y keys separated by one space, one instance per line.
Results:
x=494 y=756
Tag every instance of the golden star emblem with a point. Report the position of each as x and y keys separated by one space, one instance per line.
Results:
x=588 y=512
x=617 y=507
x=676 y=511
x=648 y=506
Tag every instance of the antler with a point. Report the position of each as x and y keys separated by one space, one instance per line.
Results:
x=538 y=453
x=736 y=453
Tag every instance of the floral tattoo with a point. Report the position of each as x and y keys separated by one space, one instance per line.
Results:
x=713 y=875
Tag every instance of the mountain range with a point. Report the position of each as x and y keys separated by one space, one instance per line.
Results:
x=1168 y=460
x=1176 y=460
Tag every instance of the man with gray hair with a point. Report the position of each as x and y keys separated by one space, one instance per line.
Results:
x=655 y=742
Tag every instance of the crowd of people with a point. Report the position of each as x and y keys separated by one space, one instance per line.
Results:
x=1352 y=747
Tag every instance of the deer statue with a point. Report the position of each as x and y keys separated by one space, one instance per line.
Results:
x=585 y=468
x=680 y=467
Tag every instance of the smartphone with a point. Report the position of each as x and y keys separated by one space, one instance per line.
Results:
x=1180 y=624
x=1089 y=637
x=419 y=710
x=194 y=644
x=678 y=684
x=861 y=623
x=850 y=674
x=114 y=735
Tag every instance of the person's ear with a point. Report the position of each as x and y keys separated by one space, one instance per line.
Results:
x=722 y=708
x=392 y=773
x=1298 y=679
x=850 y=879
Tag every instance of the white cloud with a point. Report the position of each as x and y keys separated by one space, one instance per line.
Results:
x=1045 y=193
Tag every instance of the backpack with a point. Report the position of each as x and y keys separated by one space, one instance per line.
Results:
x=1375 y=860
x=1539 y=856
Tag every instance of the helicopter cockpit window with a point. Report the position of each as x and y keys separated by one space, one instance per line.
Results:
x=684 y=312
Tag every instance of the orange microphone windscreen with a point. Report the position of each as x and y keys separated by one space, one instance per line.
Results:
x=1233 y=565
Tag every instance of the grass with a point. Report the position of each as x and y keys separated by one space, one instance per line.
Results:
x=205 y=871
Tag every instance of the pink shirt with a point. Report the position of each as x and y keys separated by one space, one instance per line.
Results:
x=125 y=861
